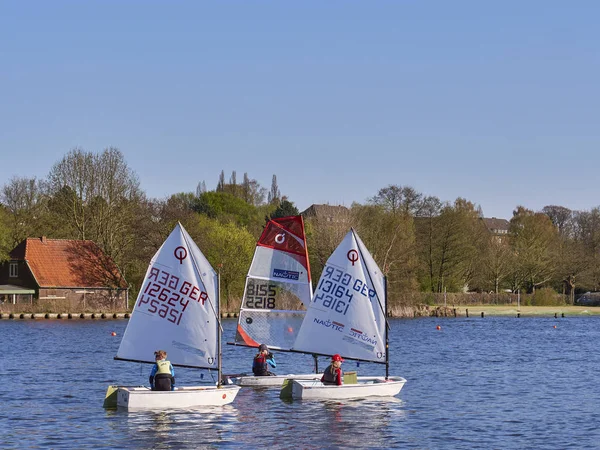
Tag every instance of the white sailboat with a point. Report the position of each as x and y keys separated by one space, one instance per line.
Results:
x=278 y=290
x=177 y=310
x=347 y=316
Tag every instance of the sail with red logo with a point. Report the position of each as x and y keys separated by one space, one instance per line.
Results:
x=278 y=287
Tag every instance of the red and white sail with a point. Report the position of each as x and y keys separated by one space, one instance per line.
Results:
x=278 y=286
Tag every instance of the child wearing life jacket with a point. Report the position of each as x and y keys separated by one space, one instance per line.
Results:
x=262 y=361
x=162 y=376
x=333 y=375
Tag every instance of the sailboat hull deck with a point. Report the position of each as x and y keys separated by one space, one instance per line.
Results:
x=272 y=381
x=366 y=387
x=143 y=398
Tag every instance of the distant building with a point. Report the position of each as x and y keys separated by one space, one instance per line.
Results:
x=326 y=213
x=73 y=272
x=499 y=228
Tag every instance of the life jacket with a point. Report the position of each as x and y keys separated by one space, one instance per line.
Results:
x=330 y=376
x=164 y=367
x=259 y=365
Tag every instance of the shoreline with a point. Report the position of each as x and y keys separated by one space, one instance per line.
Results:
x=526 y=311
x=405 y=313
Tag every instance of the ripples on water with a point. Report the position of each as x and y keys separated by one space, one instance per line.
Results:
x=477 y=383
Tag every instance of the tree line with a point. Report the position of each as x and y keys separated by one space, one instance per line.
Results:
x=422 y=243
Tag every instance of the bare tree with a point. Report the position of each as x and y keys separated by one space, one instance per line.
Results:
x=561 y=217
x=24 y=203
x=399 y=199
x=99 y=196
x=201 y=188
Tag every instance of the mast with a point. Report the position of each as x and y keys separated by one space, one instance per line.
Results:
x=218 y=315
x=387 y=342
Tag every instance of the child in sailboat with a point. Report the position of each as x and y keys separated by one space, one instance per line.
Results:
x=162 y=376
x=262 y=361
x=333 y=375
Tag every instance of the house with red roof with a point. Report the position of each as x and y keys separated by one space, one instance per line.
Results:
x=75 y=274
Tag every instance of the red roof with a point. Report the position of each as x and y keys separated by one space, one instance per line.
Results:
x=68 y=263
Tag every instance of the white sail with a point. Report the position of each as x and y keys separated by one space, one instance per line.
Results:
x=278 y=287
x=347 y=312
x=176 y=309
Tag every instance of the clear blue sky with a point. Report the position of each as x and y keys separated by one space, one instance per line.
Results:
x=496 y=102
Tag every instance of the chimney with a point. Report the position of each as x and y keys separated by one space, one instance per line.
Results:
x=43 y=239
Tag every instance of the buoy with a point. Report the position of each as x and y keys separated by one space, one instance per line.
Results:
x=554 y=326
x=290 y=330
x=113 y=334
x=438 y=328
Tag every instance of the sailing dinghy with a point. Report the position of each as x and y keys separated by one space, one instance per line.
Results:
x=347 y=316
x=177 y=310
x=277 y=292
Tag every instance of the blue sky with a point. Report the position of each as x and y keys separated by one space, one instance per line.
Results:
x=496 y=102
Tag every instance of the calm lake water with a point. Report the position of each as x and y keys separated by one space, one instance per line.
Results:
x=502 y=383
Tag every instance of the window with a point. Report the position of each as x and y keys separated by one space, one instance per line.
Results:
x=13 y=270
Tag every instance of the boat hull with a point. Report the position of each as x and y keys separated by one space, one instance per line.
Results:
x=140 y=398
x=272 y=381
x=366 y=387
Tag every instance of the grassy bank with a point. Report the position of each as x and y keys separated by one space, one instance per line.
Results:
x=527 y=311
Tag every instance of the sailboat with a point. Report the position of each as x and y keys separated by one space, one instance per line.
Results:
x=177 y=310
x=347 y=316
x=277 y=292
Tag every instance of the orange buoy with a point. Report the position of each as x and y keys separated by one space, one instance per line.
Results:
x=438 y=328
x=290 y=330
x=113 y=334
x=554 y=326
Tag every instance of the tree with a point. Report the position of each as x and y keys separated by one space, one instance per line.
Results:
x=201 y=188
x=285 y=208
x=229 y=249
x=5 y=234
x=226 y=208
x=586 y=234
x=274 y=194
x=221 y=183
x=534 y=242
x=98 y=196
x=391 y=241
x=25 y=204
x=399 y=199
x=233 y=183
x=561 y=217
x=448 y=237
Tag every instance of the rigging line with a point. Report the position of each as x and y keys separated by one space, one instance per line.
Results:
x=382 y=309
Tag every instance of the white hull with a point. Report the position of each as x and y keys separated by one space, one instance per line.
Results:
x=136 y=398
x=366 y=387
x=272 y=381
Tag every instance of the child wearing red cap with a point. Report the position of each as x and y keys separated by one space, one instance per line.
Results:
x=333 y=375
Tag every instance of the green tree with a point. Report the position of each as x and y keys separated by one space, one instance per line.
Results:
x=448 y=237
x=285 y=209
x=391 y=241
x=229 y=249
